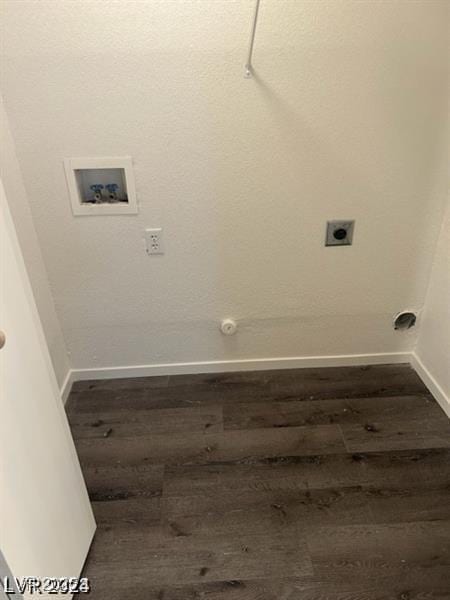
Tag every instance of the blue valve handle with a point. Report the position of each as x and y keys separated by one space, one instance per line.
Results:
x=97 y=187
x=112 y=187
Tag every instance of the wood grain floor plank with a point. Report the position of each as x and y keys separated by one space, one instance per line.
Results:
x=393 y=588
x=370 y=551
x=397 y=434
x=283 y=385
x=129 y=494
x=405 y=586
x=357 y=411
x=134 y=423
x=349 y=382
x=239 y=486
x=148 y=554
x=195 y=448
x=307 y=508
x=269 y=511
x=106 y=481
x=402 y=469
x=137 y=511
x=321 y=383
x=95 y=402
x=220 y=590
x=123 y=383
x=409 y=504
x=368 y=424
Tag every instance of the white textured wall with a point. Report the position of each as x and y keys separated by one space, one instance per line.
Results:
x=433 y=346
x=26 y=233
x=345 y=120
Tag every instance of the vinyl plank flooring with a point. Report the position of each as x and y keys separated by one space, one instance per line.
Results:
x=108 y=481
x=217 y=590
x=285 y=385
x=299 y=413
x=249 y=521
x=369 y=551
x=270 y=511
x=130 y=494
x=397 y=434
x=195 y=448
x=134 y=423
x=404 y=586
x=368 y=424
x=131 y=511
x=308 y=508
x=407 y=588
x=123 y=383
x=98 y=401
x=305 y=484
x=349 y=382
x=148 y=554
x=273 y=503
x=402 y=469
x=409 y=504
x=332 y=382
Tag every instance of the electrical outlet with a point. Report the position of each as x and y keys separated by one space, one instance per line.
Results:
x=339 y=233
x=154 y=241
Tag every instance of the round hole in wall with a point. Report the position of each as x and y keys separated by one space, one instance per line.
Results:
x=405 y=320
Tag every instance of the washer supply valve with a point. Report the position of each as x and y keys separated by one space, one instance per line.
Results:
x=97 y=189
x=112 y=191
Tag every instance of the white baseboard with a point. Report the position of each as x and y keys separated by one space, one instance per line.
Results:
x=431 y=383
x=221 y=366
x=261 y=364
x=67 y=385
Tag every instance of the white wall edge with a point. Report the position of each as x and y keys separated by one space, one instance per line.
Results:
x=221 y=366
x=431 y=383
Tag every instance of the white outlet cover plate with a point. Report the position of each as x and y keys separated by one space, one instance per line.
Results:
x=154 y=241
x=80 y=208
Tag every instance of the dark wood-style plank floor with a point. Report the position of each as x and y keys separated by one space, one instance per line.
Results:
x=311 y=484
